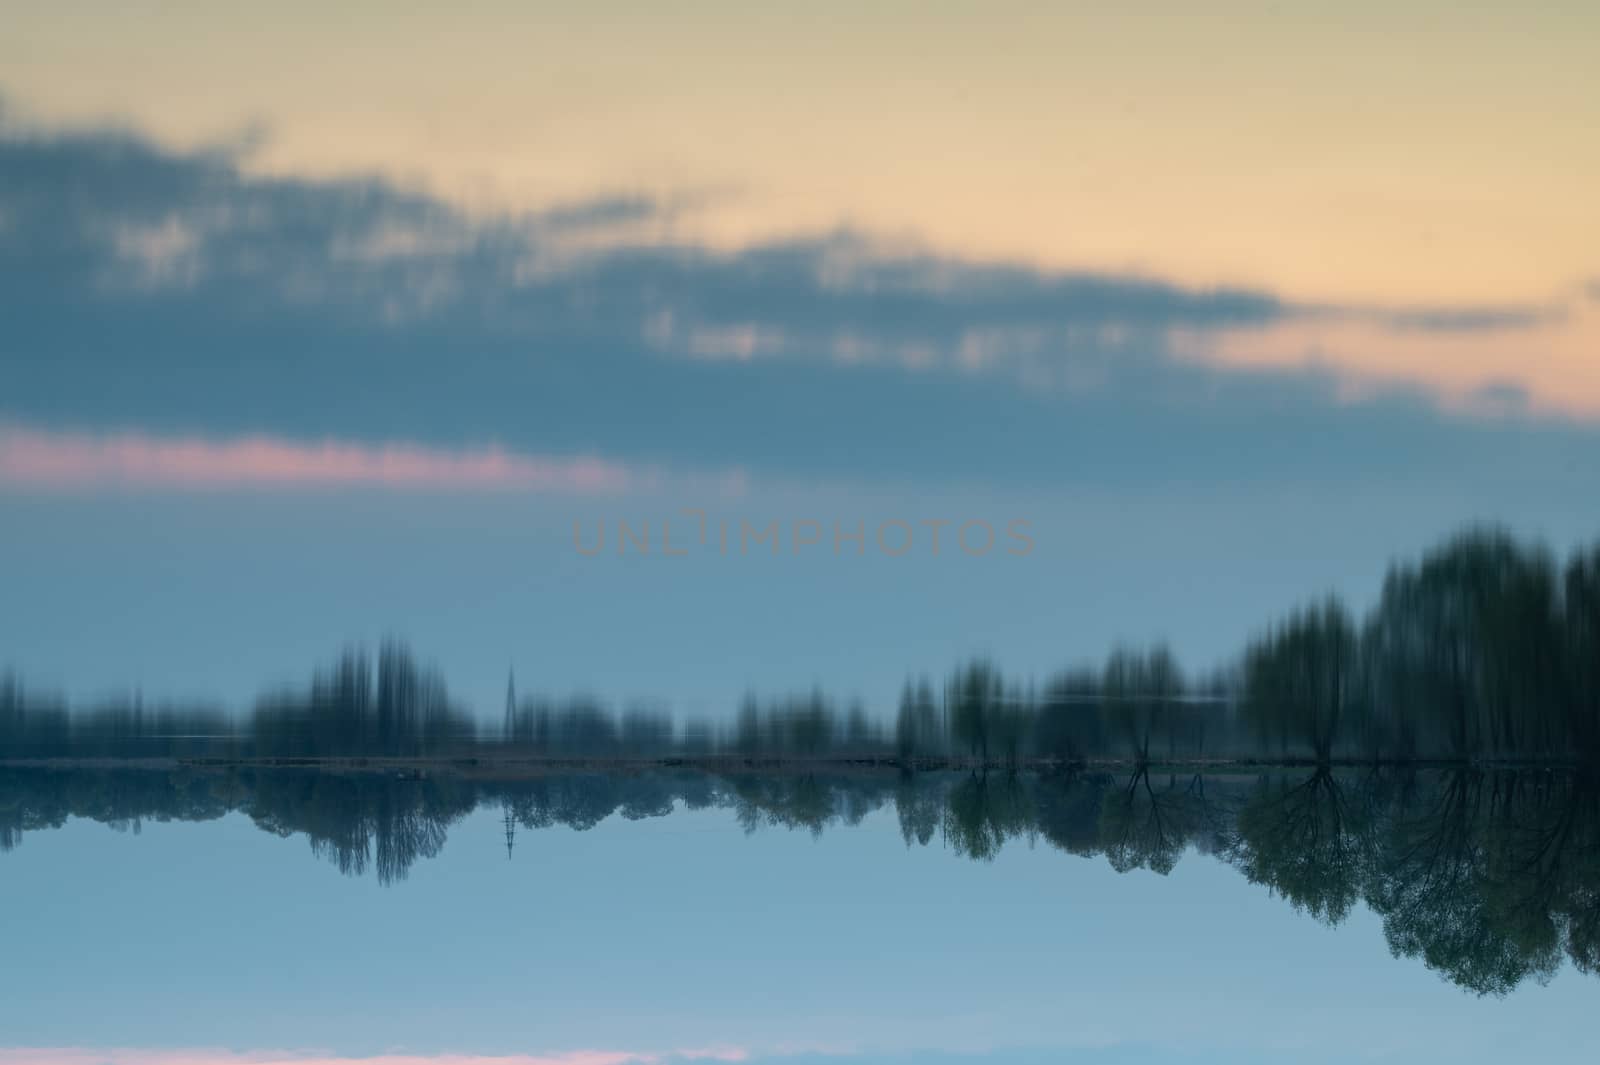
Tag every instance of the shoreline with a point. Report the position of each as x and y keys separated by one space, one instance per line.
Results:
x=518 y=765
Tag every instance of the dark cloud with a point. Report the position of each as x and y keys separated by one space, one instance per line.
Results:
x=1501 y=397
x=1473 y=319
x=154 y=289
x=109 y=212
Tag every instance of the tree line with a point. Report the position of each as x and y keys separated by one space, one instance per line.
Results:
x=1485 y=650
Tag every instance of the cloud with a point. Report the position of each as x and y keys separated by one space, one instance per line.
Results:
x=125 y=1056
x=98 y=213
x=172 y=292
x=163 y=253
x=105 y=213
x=1503 y=397
x=1465 y=364
x=41 y=458
x=108 y=213
x=1472 y=319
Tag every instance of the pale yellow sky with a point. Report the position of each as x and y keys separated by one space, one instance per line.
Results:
x=1393 y=153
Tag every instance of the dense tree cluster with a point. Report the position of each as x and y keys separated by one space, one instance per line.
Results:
x=1485 y=650
x=1137 y=708
x=397 y=709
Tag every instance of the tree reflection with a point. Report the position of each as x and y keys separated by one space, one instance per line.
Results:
x=1148 y=826
x=1489 y=878
x=1308 y=841
x=983 y=810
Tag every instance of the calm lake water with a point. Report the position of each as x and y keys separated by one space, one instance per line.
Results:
x=861 y=917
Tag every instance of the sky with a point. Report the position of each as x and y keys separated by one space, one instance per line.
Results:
x=320 y=327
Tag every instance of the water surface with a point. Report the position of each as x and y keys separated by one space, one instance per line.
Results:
x=863 y=916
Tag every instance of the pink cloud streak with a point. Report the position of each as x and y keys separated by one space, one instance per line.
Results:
x=123 y=1056
x=38 y=458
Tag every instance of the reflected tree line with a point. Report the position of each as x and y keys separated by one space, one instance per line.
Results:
x=1486 y=651
x=1490 y=877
